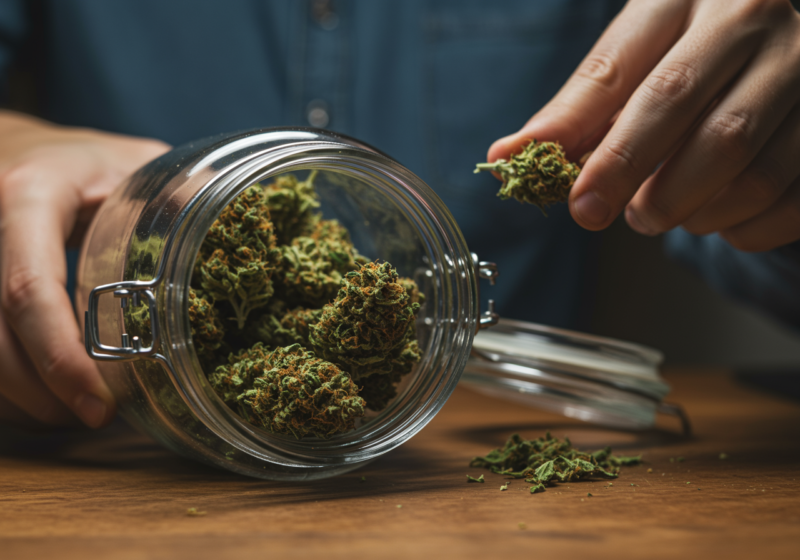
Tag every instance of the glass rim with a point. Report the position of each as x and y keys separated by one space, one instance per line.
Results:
x=455 y=313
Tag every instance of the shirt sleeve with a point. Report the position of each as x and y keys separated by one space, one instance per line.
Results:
x=13 y=26
x=769 y=281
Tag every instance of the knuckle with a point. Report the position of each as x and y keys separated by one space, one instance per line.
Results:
x=602 y=68
x=18 y=292
x=673 y=84
x=619 y=155
x=731 y=135
x=53 y=363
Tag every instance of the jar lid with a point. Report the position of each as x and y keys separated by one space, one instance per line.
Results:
x=591 y=378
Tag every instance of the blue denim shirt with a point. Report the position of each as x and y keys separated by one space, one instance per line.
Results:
x=430 y=82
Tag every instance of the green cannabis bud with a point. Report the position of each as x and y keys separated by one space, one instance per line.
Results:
x=292 y=204
x=291 y=327
x=321 y=333
x=307 y=274
x=540 y=175
x=207 y=329
x=312 y=266
x=367 y=326
x=334 y=239
x=379 y=389
x=238 y=257
x=290 y=391
x=411 y=288
x=548 y=459
x=370 y=331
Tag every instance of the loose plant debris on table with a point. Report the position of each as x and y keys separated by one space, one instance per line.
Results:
x=540 y=174
x=296 y=331
x=548 y=460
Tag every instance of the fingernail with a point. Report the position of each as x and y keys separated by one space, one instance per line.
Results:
x=91 y=409
x=591 y=209
x=636 y=224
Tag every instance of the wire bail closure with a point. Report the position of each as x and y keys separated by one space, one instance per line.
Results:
x=132 y=292
x=485 y=270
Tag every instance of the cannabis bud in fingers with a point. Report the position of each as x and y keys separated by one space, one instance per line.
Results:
x=540 y=175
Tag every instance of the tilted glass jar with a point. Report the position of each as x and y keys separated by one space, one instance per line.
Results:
x=141 y=248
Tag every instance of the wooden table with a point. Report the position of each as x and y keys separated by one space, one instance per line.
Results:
x=115 y=494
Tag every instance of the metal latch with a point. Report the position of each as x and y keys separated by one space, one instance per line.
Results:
x=487 y=271
x=134 y=293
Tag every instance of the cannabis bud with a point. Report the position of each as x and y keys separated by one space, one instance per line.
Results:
x=307 y=274
x=290 y=391
x=368 y=323
x=291 y=327
x=238 y=257
x=539 y=175
x=548 y=459
x=411 y=288
x=301 y=365
x=334 y=241
x=207 y=329
x=292 y=204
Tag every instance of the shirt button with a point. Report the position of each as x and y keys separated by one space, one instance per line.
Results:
x=317 y=114
x=323 y=13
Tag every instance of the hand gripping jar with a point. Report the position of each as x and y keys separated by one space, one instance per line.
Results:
x=140 y=251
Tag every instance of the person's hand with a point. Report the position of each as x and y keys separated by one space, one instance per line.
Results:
x=51 y=181
x=707 y=89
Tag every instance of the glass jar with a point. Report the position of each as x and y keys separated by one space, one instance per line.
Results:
x=141 y=248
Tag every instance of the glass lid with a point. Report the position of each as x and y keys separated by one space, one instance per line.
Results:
x=591 y=378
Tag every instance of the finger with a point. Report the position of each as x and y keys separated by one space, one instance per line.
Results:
x=629 y=48
x=777 y=226
x=35 y=301
x=758 y=186
x=661 y=111
x=21 y=385
x=722 y=145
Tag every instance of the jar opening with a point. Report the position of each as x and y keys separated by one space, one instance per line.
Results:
x=391 y=215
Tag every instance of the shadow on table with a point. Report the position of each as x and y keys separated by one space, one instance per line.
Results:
x=130 y=459
x=783 y=383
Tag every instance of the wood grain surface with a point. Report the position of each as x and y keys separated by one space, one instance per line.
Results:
x=115 y=494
